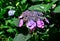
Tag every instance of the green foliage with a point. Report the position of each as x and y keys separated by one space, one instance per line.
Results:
x=9 y=30
x=41 y=7
x=21 y=37
x=2 y=12
x=57 y=10
x=47 y=0
x=1 y=32
x=54 y=1
x=36 y=0
x=23 y=1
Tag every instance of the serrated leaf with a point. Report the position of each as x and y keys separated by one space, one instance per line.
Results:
x=21 y=37
x=57 y=9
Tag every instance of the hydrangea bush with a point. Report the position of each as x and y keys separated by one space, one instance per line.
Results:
x=29 y=20
x=33 y=19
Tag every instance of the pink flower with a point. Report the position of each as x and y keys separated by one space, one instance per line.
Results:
x=31 y=24
x=21 y=23
x=40 y=23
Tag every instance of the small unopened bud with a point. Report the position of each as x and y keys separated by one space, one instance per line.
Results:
x=11 y=12
x=53 y=6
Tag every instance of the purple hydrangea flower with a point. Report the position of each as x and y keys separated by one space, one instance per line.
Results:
x=33 y=19
x=31 y=24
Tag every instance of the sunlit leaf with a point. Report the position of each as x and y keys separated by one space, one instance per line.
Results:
x=57 y=9
x=4 y=26
x=10 y=30
x=17 y=3
x=10 y=7
x=23 y=1
x=1 y=32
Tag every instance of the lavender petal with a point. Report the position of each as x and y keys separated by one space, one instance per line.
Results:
x=31 y=24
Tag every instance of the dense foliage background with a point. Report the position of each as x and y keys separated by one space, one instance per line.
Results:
x=9 y=30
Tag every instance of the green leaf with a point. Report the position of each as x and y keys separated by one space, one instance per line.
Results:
x=23 y=1
x=17 y=3
x=15 y=21
x=21 y=37
x=54 y=1
x=41 y=7
x=51 y=25
x=1 y=32
x=0 y=3
x=24 y=7
x=48 y=6
x=9 y=39
x=10 y=7
x=10 y=30
x=57 y=9
x=38 y=7
x=36 y=0
x=4 y=26
x=47 y=0
x=2 y=12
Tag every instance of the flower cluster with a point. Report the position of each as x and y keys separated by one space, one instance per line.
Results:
x=33 y=19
